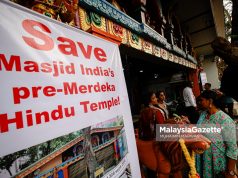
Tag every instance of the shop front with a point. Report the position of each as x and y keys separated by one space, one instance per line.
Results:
x=157 y=52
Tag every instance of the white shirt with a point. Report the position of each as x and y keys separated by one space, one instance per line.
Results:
x=189 y=97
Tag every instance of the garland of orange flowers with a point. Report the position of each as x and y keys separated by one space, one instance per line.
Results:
x=190 y=159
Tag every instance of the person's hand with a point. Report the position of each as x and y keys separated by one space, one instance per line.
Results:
x=230 y=176
x=185 y=118
x=175 y=102
x=227 y=175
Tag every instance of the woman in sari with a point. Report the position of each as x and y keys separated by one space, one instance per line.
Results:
x=149 y=117
x=220 y=159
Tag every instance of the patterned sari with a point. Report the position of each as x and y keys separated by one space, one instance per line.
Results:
x=213 y=161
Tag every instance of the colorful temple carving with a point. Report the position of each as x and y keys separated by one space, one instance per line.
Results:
x=147 y=29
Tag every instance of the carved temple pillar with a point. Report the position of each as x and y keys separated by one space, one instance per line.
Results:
x=180 y=45
x=137 y=10
x=169 y=33
x=163 y=25
x=185 y=44
x=193 y=76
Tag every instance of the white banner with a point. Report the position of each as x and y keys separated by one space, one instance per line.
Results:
x=56 y=80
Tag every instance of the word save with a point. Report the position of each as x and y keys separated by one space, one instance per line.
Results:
x=41 y=40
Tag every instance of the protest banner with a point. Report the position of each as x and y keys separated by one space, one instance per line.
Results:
x=64 y=102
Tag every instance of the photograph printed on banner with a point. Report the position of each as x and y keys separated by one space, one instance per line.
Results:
x=92 y=151
x=127 y=172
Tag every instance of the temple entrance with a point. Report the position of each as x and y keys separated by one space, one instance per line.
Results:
x=145 y=73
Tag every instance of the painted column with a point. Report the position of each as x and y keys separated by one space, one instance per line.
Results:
x=193 y=76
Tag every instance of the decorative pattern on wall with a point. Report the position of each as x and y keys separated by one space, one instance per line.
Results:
x=110 y=11
x=153 y=34
x=134 y=40
x=147 y=46
x=156 y=51
x=164 y=54
x=98 y=21
x=115 y=29
x=171 y=57
x=85 y=22
x=108 y=22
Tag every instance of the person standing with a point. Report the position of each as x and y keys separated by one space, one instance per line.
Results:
x=162 y=104
x=149 y=117
x=219 y=161
x=154 y=105
x=190 y=103
x=207 y=86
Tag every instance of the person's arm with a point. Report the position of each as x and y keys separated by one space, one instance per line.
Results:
x=229 y=136
x=159 y=117
x=231 y=168
x=231 y=171
x=169 y=103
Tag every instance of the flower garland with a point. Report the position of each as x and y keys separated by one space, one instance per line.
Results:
x=190 y=159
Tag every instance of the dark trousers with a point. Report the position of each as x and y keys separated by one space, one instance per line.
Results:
x=192 y=114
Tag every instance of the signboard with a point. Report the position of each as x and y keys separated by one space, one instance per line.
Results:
x=63 y=100
x=203 y=77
